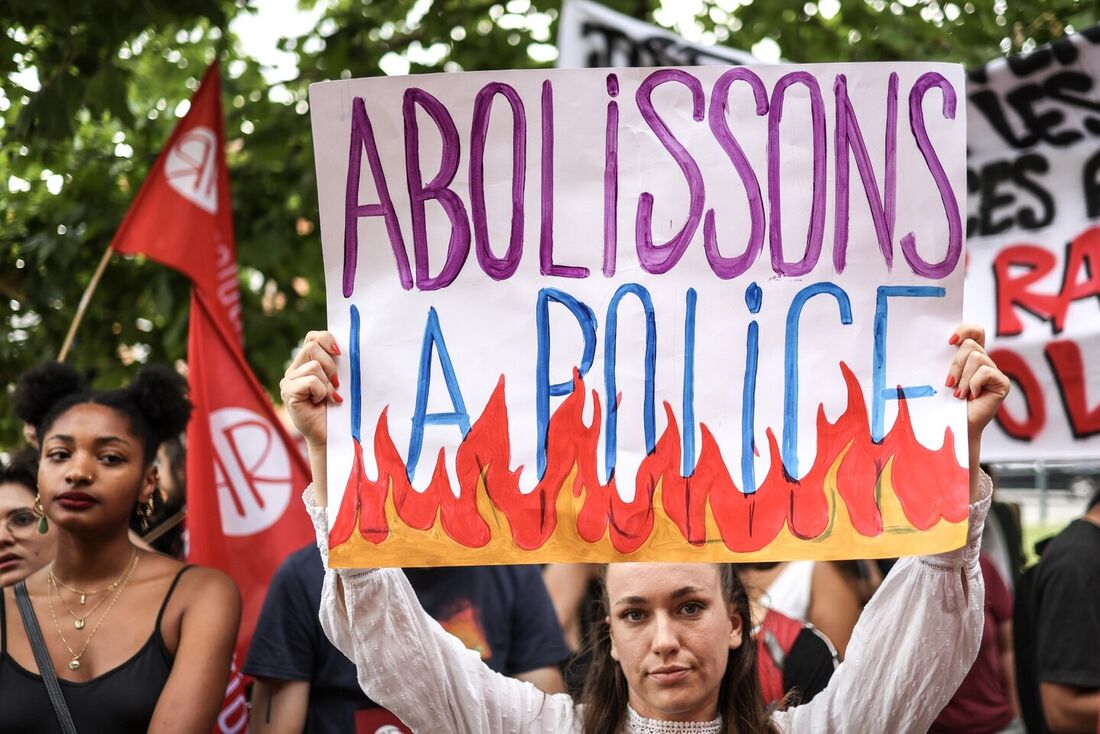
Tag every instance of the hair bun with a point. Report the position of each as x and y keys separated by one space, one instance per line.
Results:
x=41 y=388
x=161 y=395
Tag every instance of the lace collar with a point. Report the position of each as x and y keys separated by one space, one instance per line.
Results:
x=638 y=724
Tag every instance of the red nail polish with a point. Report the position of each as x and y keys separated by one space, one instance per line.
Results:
x=953 y=340
x=958 y=393
x=950 y=381
x=336 y=397
x=336 y=380
x=335 y=349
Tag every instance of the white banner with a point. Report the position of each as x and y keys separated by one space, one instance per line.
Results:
x=592 y=36
x=1033 y=279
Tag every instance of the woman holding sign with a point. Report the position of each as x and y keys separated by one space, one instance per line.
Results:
x=673 y=653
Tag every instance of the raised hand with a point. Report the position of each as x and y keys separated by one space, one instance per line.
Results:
x=307 y=388
x=976 y=379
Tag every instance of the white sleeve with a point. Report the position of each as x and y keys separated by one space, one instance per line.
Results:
x=410 y=665
x=912 y=647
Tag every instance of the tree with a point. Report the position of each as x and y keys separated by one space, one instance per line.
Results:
x=113 y=77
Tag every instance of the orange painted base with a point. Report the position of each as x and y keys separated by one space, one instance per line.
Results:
x=408 y=547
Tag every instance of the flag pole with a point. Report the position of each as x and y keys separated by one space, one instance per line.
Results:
x=83 y=306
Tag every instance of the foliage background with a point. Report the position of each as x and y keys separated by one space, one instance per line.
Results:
x=89 y=92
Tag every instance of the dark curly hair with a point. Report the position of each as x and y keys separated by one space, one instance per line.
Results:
x=155 y=402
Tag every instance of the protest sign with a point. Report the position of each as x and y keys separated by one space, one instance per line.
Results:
x=593 y=36
x=644 y=314
x=1033 y=278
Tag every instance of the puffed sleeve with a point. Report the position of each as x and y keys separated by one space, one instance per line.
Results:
x=410 y=665
x=911 y=648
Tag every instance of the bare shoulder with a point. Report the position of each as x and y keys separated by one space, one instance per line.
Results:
x=209 y=587
x=200 y=587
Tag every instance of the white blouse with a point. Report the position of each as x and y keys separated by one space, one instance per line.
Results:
x=913 y=645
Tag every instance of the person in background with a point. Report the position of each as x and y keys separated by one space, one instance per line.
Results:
x=166 y=528
x=575 y=592
x=23 y=550
x=794 y=660
x=1003 y=539
x=818 y=592
x=986 y=701
x=138 y=640
x=1057 y=630
x=303 y=683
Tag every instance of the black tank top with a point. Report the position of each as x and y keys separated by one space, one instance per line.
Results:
x=120 y=700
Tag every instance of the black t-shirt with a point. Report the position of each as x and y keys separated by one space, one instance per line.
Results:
x=503 y=612
x=808 y=666
x=1056 y=621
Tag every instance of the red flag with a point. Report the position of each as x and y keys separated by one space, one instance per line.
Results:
x=244 y=474
x=243 y=470
x=182 y=215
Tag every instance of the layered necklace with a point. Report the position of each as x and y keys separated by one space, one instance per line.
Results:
x=112 y=591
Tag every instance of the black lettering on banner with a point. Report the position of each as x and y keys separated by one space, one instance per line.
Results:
x=612 y=45
x=1091 y=181
x=1041 y=122
x=998 y=185
x=1063 y=50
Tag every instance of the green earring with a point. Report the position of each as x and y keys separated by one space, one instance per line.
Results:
x=43 y=524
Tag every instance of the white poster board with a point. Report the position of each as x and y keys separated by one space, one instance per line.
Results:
x=644 y=313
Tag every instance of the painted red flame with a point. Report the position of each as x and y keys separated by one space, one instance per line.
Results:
x=930 y=485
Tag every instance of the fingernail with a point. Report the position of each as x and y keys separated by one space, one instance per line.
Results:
x=953 y=340
x=950 y=381
x=336 y=397
x=335 y=349
x=958 y=393
x=336 y=380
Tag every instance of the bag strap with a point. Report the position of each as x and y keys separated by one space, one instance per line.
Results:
x=42 y=658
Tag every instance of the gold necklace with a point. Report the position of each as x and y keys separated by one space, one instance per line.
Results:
x=74 y=664
x=78 y=619
x=84 y=594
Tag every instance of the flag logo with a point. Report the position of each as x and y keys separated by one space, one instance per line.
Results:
x=253 y=475
x=191 y=168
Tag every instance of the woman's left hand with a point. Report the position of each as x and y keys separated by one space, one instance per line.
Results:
x=975 y=378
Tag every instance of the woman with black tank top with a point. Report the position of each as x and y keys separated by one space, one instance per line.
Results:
x=139 y=641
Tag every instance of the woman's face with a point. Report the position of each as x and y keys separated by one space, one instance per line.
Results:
x=671 y=632
x=23 y=550
x=92 y=474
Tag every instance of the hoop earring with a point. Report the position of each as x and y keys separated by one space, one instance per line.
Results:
x=43 y=523
x=145 y=512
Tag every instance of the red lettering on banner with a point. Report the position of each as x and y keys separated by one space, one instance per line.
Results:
x=1068 y=364
x=1017 y=370
x=233 y=718
x=1016 y=289
x=1083 y=255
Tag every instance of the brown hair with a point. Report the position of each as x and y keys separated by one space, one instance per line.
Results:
x=740 y=701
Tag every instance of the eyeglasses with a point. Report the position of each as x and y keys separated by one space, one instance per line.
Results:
x=21 y=523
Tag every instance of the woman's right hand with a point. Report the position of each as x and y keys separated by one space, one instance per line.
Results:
x=309 y=385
